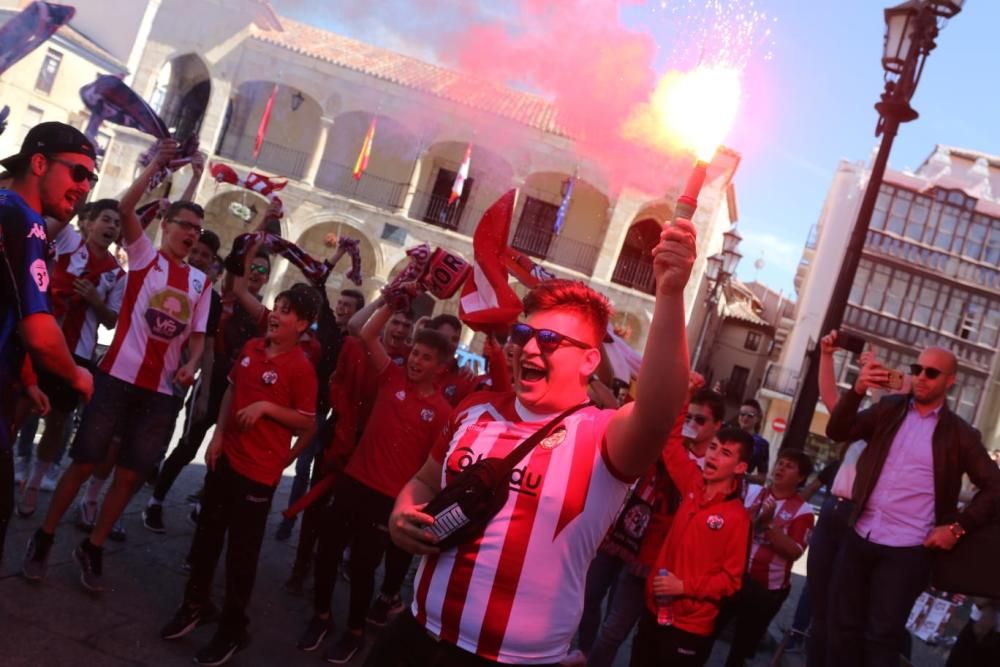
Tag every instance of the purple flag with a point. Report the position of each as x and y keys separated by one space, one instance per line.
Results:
x=25 y=32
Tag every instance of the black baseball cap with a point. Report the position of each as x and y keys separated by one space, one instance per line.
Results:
x=51 y=138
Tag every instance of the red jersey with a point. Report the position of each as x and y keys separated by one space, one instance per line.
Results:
x=794 y=517
x=398 y=438
x=261 y=452
x=515 y=595
x=706 y=547
x=456 y=385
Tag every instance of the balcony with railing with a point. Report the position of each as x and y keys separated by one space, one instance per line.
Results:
x=273 y=157
x=543 y=244
x=635 y=273
x=370 y=189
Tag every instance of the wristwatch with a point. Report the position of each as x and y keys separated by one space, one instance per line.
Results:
x=957 y=530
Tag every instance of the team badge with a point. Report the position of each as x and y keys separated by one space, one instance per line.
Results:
x=715 y=522
x=40 y=274
x=450 y=390
x=427 y=414
x=554 y=440
x=269 y=377
x=198 y=285
x=36 y=232
x=785 y=515
x=168 y=313
x=400 y=395
x=245 y=363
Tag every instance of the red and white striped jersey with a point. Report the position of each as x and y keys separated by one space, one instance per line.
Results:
x=795 y=518
x=74 y=260
x=515 y=595
x=164 y=303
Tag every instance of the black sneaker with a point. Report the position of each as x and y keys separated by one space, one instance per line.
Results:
x=187 y=619
x=89 y=559
x=345 y=648
x=383 y=609
x=285 y=529
x=220 y=649
x=315 y=633
x=152 y=518
x=36 y=556
x=194 y=514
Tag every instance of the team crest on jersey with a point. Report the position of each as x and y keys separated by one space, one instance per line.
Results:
x=555 y=439
x=400 y=395
x=269 y=377
x=450 y=390
x=198 y=285
x=36 y=232
x=715 y=522
x=168 y=313
x=245 y=362
x=427 y=415
x=40 y=274
x=785 y=515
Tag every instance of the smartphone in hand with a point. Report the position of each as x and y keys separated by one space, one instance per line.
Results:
x=851 y=343
x=895 y=382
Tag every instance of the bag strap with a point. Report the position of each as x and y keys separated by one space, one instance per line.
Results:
x=519 y=452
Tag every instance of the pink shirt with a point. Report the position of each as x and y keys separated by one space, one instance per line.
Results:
x=900 y=510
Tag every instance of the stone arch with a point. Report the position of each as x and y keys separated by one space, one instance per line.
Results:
x=181 y=93
x=291 y=132
x=635 y=260
x=221 y=214
x=314 y=241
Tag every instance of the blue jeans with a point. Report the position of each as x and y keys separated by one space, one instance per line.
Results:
x=831 y=530
x=876 y=587
x=624 y=608
x=601 y=578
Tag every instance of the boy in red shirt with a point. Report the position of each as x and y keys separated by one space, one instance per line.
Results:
x=271 y=397
x=407 y=416
x=703 y=558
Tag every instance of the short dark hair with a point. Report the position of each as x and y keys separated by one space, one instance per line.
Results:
x=436 y=341
x=92 y=210
x=444 y=319
x=752 y=402
x=740 y=437
x=712 y=400
x=301 y=302
x=264 y=255
x=177 y=206
x=573 y=296
x=405 y=312
x=210 y=239
x=800 y=459
x=358 y=297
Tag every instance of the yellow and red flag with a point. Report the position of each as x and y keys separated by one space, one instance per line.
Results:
x=366 y=150
x=461 y=176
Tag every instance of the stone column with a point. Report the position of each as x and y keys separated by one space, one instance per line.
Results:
x=316 y=159
x=620 y=216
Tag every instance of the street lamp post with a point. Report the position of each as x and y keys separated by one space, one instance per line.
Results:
x=911 y=29
x=719 y=269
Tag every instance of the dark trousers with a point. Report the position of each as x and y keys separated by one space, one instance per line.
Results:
x=875 y=587
x=194 y=433
x=312 y=520
x=752 y=608
x=6 y=494
x=658 y=645
x=601 y=577
x=358 y=516
x=236 y=508
x=832 y=529
x=397 y=564
x=405 y=643
x=970 y=651
x=308 y=463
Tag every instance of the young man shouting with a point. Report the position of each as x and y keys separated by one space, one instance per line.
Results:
x=165 y=307
x=407 y=417
x=271 y=397
x=515 y=594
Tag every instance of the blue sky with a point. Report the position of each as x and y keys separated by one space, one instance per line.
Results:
x=810 y=103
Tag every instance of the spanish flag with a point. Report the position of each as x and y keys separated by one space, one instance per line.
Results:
x=461 y=176
x=366 y=151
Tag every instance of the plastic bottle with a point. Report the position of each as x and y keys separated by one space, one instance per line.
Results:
x=664 y=605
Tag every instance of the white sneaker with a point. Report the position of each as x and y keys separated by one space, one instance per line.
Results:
x=50 y=479
x=86 y=515
x=22 y=468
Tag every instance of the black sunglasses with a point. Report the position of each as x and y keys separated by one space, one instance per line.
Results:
x=548 y=340
x=77 y=172
x=700 y=420
x=931 y=373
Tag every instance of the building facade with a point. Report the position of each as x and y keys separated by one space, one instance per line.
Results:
x=211 y=75
x=929 y=276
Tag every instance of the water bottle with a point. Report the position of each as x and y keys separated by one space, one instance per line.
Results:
x=664 y=605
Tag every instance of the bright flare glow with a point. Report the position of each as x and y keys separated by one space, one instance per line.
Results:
x=689 y=110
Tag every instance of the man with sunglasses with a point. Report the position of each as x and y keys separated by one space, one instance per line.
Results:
x=515 y=594
x=44 y=182
x=905 y=504
x=165 y=308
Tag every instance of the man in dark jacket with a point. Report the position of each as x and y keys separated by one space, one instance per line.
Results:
x=906 y=504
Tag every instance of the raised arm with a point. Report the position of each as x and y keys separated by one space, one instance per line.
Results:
x=639 y=430
x=360 y=317
x=131 y=227
x=370 y=337
x=828 y=391
x=197 y=169
x=239 y=289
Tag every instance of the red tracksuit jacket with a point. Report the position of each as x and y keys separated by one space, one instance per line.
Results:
x=706 y=546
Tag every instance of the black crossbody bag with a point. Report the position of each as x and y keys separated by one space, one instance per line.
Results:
x=462 y=509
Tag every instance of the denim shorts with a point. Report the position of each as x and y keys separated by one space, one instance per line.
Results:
x=143 y=419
